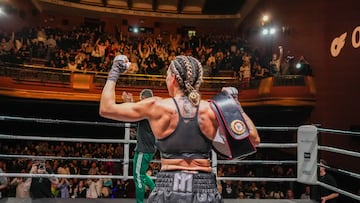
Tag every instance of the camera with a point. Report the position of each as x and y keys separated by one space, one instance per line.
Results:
x=42 y=166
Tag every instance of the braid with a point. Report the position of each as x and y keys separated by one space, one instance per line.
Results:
x=200 y=75
x=188 y=73
x=176 y=72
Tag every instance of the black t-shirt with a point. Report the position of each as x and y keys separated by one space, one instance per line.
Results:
x=40 y=188
x=319 y=191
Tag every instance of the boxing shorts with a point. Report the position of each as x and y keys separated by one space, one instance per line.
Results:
x=184 y=187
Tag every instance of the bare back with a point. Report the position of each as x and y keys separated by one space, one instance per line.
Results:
x=164 y=118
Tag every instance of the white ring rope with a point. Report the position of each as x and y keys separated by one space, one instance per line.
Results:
x=355 y=175
x=57 y=139
x=56 y=121
x=53 y=175
x=257 y=179
x=277 y=128
x=346 y=132
x=340 y=151
x=58 y=158
x=277 y=145
x=36 y=175
x=357 y=197
x=127 y=141
x=248 y=162
x=261 y=162
x=120 y=124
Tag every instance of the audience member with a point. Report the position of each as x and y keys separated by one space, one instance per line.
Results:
x=22 y=186
x=306 y=193
x=3 y=179
x=324 y=194
x=41 y=187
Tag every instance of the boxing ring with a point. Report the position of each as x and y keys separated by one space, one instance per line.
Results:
x=306 y=163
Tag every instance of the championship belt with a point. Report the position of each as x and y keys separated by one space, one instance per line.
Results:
x=232 y=137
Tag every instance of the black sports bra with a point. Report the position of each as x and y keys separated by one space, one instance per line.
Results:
x=187 y=141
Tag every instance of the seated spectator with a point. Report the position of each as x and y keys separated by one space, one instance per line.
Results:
x=306 y=193
x=229 y=190
x=290 y=194
x=276 y=193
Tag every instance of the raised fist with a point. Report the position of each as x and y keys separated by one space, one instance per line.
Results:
x=120 y=64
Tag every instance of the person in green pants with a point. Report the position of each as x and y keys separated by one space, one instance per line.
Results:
x=144 y=151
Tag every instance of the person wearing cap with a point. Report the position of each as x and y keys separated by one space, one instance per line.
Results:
x=184 y=127
x=144 y=150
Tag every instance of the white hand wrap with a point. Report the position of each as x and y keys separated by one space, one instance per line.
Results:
x=120 y=64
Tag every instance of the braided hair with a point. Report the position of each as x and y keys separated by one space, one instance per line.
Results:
x=189 y=74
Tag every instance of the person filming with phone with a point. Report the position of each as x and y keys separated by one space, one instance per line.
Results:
x=40 y=186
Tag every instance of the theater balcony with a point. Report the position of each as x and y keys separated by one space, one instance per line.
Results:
x=37 y=91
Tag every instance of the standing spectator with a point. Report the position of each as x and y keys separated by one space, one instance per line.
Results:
x=41 y=187
x=236 y=63
x=324 y=194
x=144 y=151
x=22 y=186
x=245 y=71
x=80 y=190
x=275 y=62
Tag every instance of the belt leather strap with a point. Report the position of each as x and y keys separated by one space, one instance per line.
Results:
x=232 y=138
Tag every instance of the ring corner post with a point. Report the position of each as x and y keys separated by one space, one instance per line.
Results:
x=307 y=154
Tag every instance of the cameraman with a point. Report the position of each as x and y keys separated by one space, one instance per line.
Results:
x=41 y=187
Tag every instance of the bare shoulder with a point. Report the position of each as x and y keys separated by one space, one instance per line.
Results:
x=158 y=105
x=205 y=108
x=207 y=119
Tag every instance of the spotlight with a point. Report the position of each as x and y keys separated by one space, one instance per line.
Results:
x=265 y=31
x=272 y=31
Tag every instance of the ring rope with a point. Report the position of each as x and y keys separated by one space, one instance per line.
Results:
x=340 y=151
x=277 y=128
x=257 y=179
x=349 y=194
x=58 y=158
x=346 y=132
x=249 y=162
x=277 y=145
x=56 y=139
x=41 y=138
x=120 y=124
x=349 y=173
x=127 y=141
x=34 y=175
x=47 y=175
x=255 y=162
x=56 y=121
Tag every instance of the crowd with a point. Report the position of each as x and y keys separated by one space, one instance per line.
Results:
x=89 y=49
x=84 y=48
x=124 y=188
